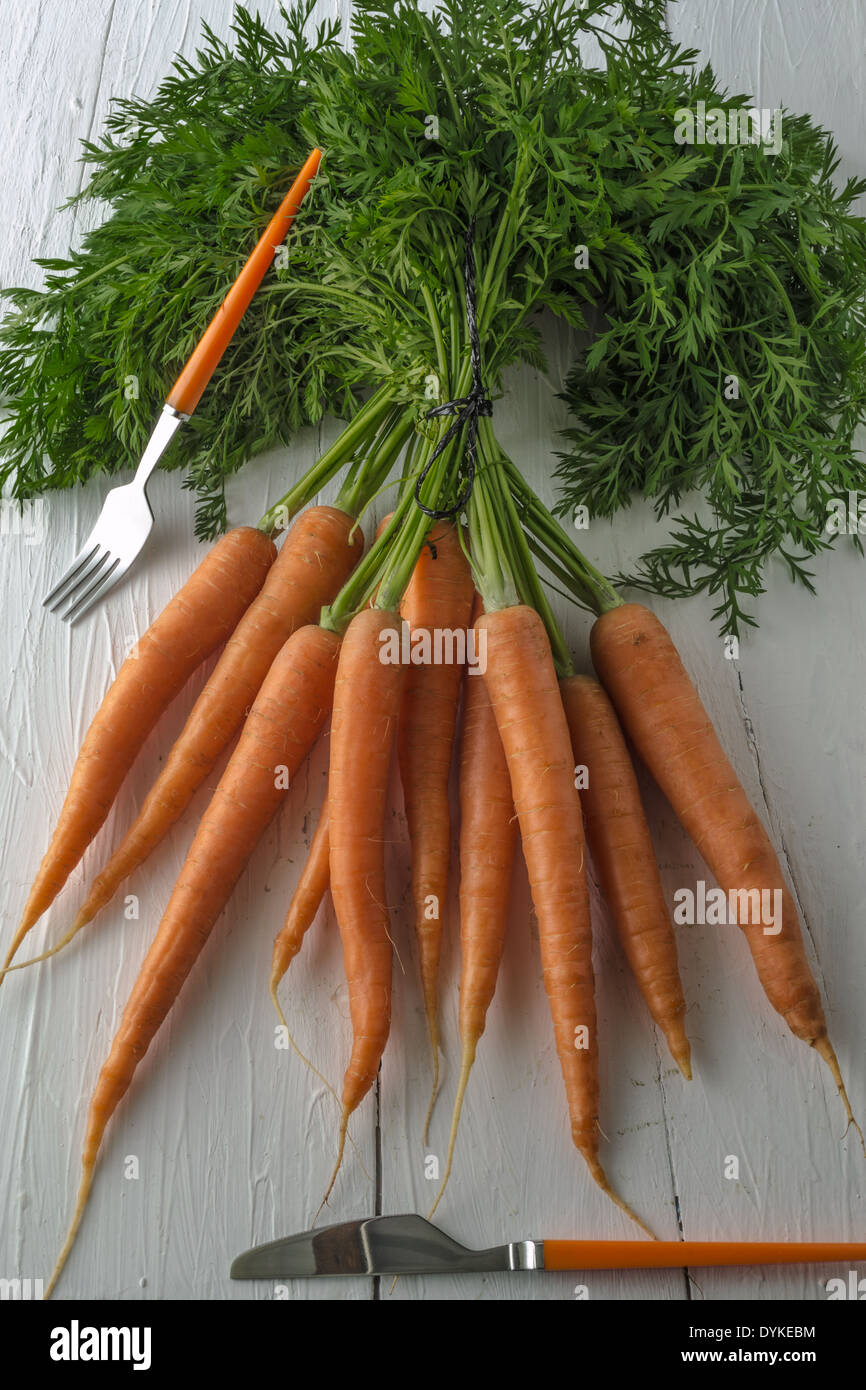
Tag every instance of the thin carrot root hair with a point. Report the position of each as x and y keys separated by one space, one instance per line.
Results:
x=433 y=1032
x=26 y=925
x=45 y=955
x=600 y=1177
x=88 y=1170
x=294 y=1046
x=824 y=1049
x=341 y=1145
x=466 y=1062
x=315 y=1070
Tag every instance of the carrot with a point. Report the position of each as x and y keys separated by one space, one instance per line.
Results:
x=363 y=727
x=666 y=720
x=196 y=621
x=488 y=834
x=285 y=720
x=622 y=848
x=306 y=901
x=311 y=887
x=438 y=600
x=524 y=693
x=316 y=558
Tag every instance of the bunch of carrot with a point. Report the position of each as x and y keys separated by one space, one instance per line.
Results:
x=310 y=634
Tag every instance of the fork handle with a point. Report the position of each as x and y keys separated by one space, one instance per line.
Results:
x=187 y=390
x=676 y=1254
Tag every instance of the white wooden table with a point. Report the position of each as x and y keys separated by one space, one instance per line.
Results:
x=234 y=1140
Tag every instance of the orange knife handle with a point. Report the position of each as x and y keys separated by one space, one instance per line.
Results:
x=676 y=1254
x=187 y=390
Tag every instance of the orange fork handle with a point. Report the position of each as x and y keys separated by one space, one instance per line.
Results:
x=187 y=390
x=676 y=1254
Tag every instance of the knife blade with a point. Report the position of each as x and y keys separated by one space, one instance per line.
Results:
x=408 y=1244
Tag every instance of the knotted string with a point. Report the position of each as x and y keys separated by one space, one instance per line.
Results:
x=466 y=408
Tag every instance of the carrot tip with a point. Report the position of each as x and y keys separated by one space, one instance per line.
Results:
x=314 y=1069
x=466 y=1062
x=80 y=1204
x=24 y=927
x=45 y=955
x=682 y=1055
x=824 y=1049
x=434 y=1089
x=344 y=1126
x=601 y=1178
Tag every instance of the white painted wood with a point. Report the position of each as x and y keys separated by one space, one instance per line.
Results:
x=234 y=1139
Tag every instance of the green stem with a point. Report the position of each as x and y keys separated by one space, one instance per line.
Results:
x=361 y=428
x=95 y=274
x=436 y=329
x=493 y=579
x=786 y=303
x=365 y=479
x=387 y=568
x=430 y=38
x=493 y=273
x=362 y=584
x=595 y=590
x=528 y=583
x=404 y=556
x=574 y=592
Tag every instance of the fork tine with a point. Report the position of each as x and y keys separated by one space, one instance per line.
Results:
x=81 y=580
x=85 y=554
x=107 y=581
x=81 y=590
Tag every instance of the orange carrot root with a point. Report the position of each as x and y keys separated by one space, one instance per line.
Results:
x=437 y=599
x=622 y=850
x=664 y=716
x=282 y=726
x=681 y=1053
x=316 y=557
x=366 y=705
x=527 y=704
x=197 y=620
x=488 y=837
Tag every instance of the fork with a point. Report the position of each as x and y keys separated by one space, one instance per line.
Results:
x=126 y=519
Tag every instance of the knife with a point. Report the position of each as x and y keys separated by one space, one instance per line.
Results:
x=411 y=1245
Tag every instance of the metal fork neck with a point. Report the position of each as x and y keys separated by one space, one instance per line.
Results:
x=164 y=431
x=526 y=1254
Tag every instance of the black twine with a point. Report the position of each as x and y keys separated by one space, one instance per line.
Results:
x=466 y=408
